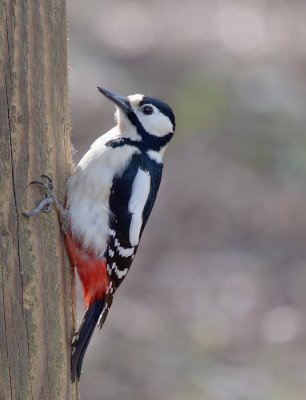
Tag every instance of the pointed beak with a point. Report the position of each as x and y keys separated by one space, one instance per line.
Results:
x=120 y=101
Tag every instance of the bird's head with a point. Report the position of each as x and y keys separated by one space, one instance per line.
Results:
x=143 y=117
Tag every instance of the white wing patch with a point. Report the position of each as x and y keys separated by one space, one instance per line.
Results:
x=139 y=197
x=125 y=252
x=120 y=274
x=112 y=232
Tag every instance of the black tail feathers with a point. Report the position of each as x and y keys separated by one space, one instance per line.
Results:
x=83 y=336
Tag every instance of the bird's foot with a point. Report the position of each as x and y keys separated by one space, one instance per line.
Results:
x=47 y=203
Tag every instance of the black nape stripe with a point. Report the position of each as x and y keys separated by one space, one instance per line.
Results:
x=161 y=105
x=149 y=142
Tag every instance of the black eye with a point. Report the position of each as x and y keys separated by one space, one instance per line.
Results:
x=147 y=110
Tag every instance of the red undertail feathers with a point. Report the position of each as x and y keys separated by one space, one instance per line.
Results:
x=92 y=271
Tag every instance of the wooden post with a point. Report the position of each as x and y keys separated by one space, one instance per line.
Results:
x=36 y=286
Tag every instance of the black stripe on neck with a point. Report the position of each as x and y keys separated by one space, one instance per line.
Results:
x=143 y=147
x=149 y=142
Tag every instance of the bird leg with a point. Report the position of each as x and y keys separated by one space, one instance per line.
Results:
x=47 y=203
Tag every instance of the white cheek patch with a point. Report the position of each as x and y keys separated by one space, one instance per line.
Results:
x=139 y=197
x=157 y=124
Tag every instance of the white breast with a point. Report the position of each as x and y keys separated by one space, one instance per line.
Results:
x=88 y=191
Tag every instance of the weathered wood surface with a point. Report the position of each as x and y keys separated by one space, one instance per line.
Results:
x=35 y=282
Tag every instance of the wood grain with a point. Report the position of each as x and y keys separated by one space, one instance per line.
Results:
x=36 y=285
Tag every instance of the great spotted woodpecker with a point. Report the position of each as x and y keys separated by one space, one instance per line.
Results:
x=110 y=196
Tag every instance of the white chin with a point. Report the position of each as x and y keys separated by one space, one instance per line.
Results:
x=126 y=128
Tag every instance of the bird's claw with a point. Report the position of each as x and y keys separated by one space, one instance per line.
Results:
x=48 y=202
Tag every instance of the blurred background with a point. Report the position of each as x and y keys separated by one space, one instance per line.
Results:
x=215 y=304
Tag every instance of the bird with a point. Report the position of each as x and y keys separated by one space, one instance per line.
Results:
x=109 y=198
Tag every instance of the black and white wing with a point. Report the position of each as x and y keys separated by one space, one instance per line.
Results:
x=131 y=201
